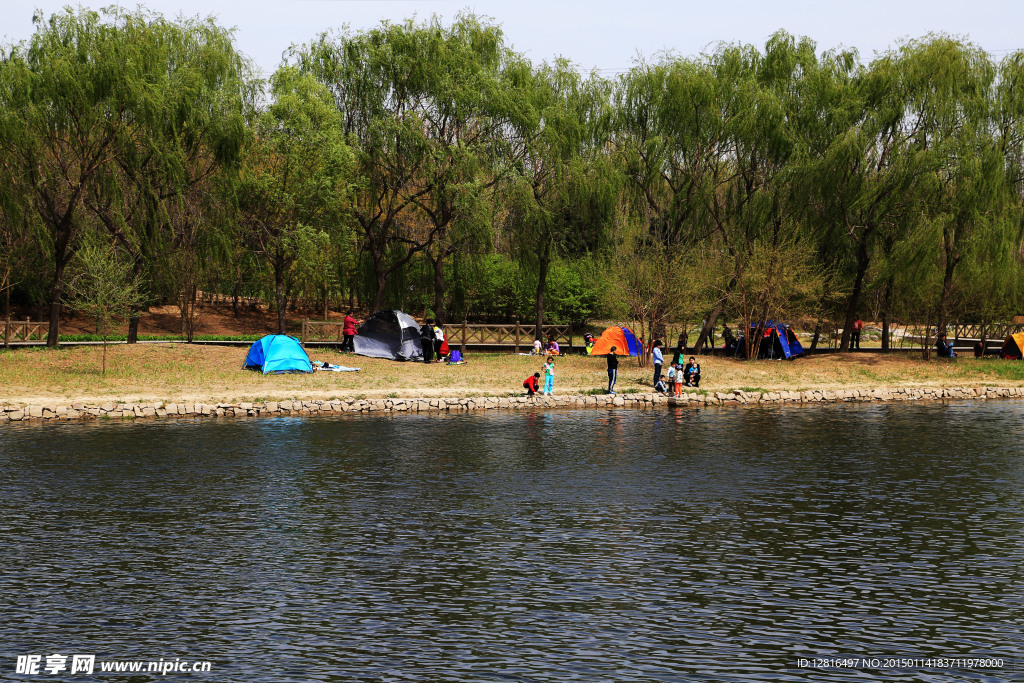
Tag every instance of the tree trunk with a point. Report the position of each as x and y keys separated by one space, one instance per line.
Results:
x=542 y=281
x=816 y=337
x=886 y=302
x=709 y=324
x=7 y=310
x=439 y=312
x=238 y=291
x=378 y=300
x=280 y=297
x=133 y=316
x=947 y=287
x=863 y=260
x=53 y=332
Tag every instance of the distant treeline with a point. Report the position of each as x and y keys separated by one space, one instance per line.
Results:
x=429 y=167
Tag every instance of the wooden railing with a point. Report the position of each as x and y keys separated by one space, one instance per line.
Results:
x=514 y=335
x=321 y=331
x=983 y=330
x=23 y=330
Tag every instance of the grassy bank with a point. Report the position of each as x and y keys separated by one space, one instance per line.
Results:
x=179 y=372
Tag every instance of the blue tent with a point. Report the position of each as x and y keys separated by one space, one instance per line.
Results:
x=778 y=340
x=278 y=353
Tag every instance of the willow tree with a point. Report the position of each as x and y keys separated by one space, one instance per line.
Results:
x=81 y=105
x=470 y=101
x=562 y=195
x=157 y=202
x=668 y=117
x=295 y=176
x=746 y=198
x=416 y=104
x=65 y=98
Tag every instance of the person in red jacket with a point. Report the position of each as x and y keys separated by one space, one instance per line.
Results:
x=531 y=384
x=855 y=333
x=349 y=330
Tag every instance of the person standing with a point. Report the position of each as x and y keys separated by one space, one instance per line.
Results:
x=613 y=370
x=349 y=330
x=855 y=334
x=438 y=340
x=549 y=376
x=678 y=386
x=427 y=340
x=658 y=359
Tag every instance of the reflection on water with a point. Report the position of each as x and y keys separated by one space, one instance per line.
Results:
x=719 y=544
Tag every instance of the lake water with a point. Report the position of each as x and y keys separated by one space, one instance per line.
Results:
x=668 y=545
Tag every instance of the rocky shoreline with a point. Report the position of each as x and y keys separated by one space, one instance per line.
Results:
x=112 y=410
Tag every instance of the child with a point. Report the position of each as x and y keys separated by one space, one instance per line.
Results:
x=679 y=381
x=549 y=376
x=670 y=378
x=531 y=384
x=536 y=347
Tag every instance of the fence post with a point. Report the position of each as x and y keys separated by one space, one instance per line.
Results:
x=462 y=347
x=7 y=331
x=517 y=336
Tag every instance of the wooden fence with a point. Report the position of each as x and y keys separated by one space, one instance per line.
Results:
x=511 y=335
x=983 y=330
x=24 y=330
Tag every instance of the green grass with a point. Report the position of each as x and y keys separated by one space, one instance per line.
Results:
x=159 y=337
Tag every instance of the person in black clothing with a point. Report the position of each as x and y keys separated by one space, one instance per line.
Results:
x=692 y=373
x=730 y=341
x=944 y=348
x=613 y=370
x=427 y=339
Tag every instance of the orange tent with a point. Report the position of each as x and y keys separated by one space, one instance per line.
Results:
x=1013 y=347
x=622 y=338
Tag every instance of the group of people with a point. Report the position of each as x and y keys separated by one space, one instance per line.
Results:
x=432 y=340
x=550 y=347
x=678 y=374
x=532 y=383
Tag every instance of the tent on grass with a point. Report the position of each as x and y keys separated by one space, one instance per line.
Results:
x=622 y=338
x=778 y=340
x=389 y=334
x=277 y=353
x=1013 y=347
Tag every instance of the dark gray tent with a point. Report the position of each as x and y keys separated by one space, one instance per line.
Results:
x=389 y=334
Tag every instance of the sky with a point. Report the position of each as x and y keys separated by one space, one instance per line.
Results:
x=600 y=34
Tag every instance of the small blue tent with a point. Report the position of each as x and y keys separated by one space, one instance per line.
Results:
x=778 y=340
x=278 y=353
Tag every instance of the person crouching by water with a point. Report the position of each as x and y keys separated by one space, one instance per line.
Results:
x=531 y=384
x=549 y=376
x=427 y=340
x=613 y=370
